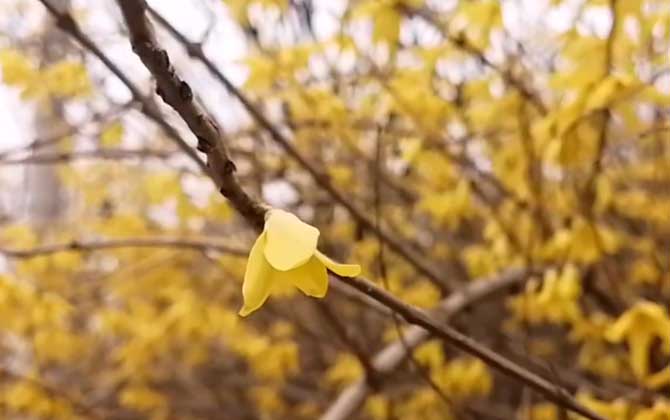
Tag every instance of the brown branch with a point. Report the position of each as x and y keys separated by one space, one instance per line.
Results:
x=194 y=244
x=178 y=94
x=148 y=109
x=357 y=297
x=102 y=154
x=37 y=144
x=462 y=342
x=381 y=263
x=322 y=180
x=388 y=359
x=350 y=342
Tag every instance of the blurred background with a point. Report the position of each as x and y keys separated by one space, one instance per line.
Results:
x=516 y=153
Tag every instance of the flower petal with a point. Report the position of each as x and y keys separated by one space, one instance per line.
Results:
x=290 y=241
x=618 y=331
x=311 y=278
x=346 y=270
x=659 y=379
x=639 y=348
x=257 y=278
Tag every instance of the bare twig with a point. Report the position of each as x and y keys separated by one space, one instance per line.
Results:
x=381 y=262
x=195 y=244
x=350 y=342
x=37 y=144
x=358 y=297
x=102 y=154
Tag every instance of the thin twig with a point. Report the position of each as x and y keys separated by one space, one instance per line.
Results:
x=462 y=43
x=381 y=260
x=101 y=154
x=350 y=342
x=195 y=244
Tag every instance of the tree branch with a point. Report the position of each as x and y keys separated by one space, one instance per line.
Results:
x=396 y=245
x=202 y=245
x=178 y=94
x=194 y=244
x=415 y=316
x=388 y=359
x=103 y=154
x=67 y=24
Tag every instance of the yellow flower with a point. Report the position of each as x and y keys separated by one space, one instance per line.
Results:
x=285 y=254
x=640 y=325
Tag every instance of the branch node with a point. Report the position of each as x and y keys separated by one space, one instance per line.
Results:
x=203 y=145
x=65 y=22
x=185 y=92
x=229 y=167
x=163 y=57
x=194 y=49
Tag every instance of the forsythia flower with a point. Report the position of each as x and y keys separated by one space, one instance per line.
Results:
x=285 y=254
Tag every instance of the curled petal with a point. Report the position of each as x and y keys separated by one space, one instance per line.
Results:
x=311 y=278
x=346 y=270
x=639 y=348
x=257 y=278
x=659 y=379
x=290 y=241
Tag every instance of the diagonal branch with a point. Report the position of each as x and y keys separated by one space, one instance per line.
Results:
x=178 y=94
x=388 y=359
x=416 y=316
